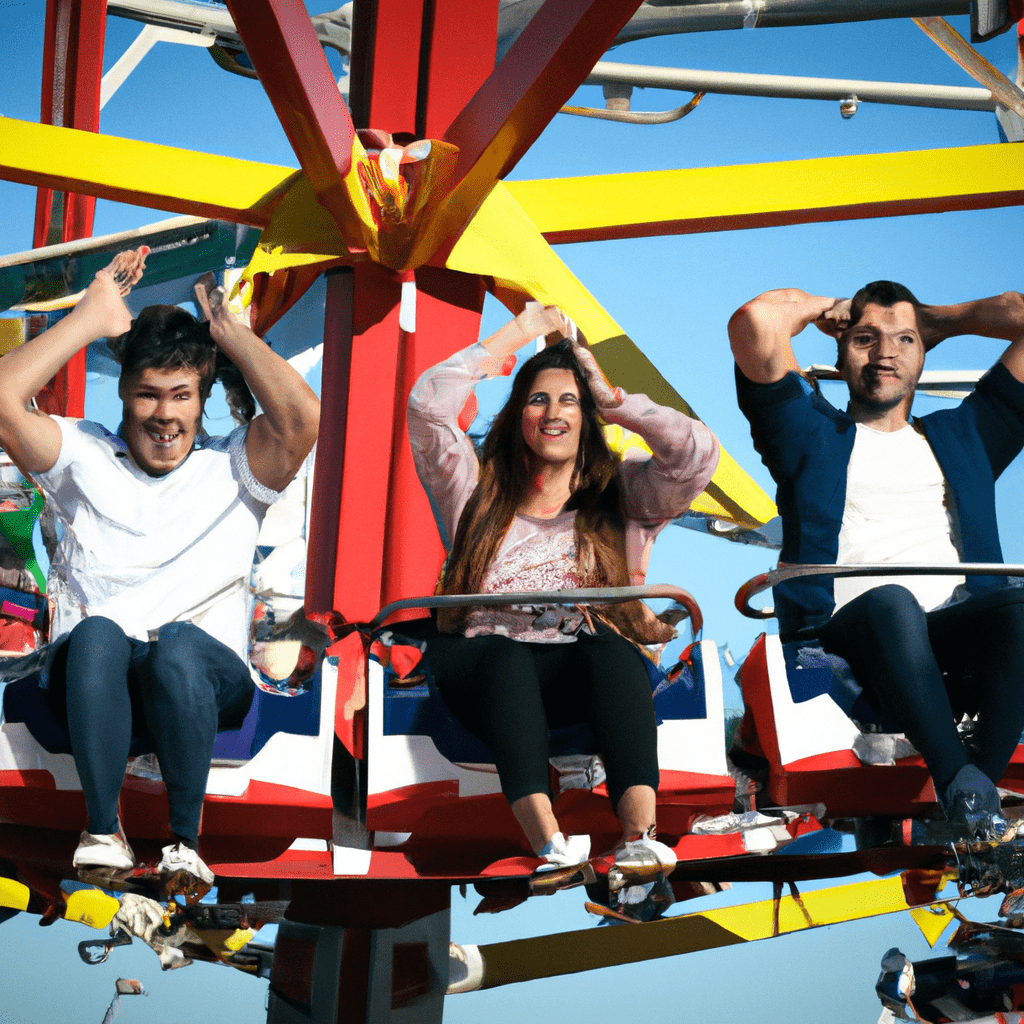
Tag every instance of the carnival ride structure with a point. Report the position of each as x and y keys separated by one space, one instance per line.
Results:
x=400 y=209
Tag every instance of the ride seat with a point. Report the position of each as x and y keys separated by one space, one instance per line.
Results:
x=812 y=745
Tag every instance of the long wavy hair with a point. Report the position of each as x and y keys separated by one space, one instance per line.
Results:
x=504 y=483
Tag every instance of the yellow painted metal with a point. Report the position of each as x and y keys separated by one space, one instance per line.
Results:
x=12 y=334
x=502 y=242
x=141 y=173
x=952 y=43
x=14 y=895
x=822 y=188
x=553 y=955
x=933 y=921
x=92 y=907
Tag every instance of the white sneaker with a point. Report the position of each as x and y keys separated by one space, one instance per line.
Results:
x=104 y=851
x=560 y=852
x=180 y=857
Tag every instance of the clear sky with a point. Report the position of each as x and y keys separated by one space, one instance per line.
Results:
x=674 y=297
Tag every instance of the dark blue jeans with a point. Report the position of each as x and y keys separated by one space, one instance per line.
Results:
x=174 y=694
x=922 y=670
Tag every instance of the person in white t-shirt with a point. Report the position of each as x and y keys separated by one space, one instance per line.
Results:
x=160 y=522
x=874 y=484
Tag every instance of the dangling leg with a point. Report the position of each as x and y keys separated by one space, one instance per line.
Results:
x=191 y=686
x=980 y=645
x=883 y=634
x=89 y=685
x=490 y=684
x=611 y=683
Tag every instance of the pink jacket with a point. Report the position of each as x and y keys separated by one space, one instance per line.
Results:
x=655 y=490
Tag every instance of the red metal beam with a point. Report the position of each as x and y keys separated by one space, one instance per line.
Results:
x=322 y=556
x=541 y=70
x=448 y=306
x=288 y=57
x=350 y=490
x=454 y=40
x=72 y=72
x=384 y=80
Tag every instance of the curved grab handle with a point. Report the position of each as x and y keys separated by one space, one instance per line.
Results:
x=766 y=580
x=586 y=595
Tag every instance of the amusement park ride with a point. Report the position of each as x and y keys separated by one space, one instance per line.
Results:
x=350 y=790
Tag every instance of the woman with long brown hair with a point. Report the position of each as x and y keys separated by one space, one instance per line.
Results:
x=547 y=506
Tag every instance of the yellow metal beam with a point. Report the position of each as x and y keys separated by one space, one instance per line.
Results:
x=549 y=956
x=502 y=243
x=763 y=195
x=141 y=173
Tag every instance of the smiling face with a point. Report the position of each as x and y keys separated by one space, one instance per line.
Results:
x=552 y=417
x=882 y=357
x=162 y=411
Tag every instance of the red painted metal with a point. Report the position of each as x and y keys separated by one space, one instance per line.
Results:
x=350 y=491
x=72 y=72
x=541 y=70
x=384 y=78
x=448 y=307
x=284 y=49
x=322 y=558
x=454 y=42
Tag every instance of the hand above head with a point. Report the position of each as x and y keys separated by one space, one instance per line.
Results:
x=537 y=320
x=103 y=302
x=605 y=396
x=213 y=300
x=834 y=320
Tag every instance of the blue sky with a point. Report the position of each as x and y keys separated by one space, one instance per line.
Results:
x=674 y=297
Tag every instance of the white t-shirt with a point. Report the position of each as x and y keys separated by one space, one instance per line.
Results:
x=896 y=511
x=144 y=550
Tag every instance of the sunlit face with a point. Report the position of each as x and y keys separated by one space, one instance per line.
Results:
x=162 y=411
x=552 y=416
x=883 y=356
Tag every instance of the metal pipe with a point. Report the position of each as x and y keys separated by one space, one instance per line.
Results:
x=333 y=28
x=792 y=87
x=666 y=18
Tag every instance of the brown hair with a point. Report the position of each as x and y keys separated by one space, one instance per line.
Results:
x=503 y=484
x=170 y=338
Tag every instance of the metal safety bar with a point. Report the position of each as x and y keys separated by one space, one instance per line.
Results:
x=766 y=580
x=585 y=595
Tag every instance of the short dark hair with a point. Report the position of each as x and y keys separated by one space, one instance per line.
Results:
x=877 y=293
x=167 y=338
x=880 y=293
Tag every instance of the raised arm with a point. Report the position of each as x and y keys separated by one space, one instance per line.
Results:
x=1000 y=316
x=685 y=451
x=761 y=331
x=29 y=436
x=284 y=433
x=534 y=321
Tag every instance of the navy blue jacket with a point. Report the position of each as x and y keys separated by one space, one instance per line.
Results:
x=806 y=444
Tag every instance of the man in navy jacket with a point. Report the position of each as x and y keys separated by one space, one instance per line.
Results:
x=874 y=484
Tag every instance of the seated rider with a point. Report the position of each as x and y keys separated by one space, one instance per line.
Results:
x=873 y=484
x=149 y=583
x=547 y=506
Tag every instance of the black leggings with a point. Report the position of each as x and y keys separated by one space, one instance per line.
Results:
x=919 y=669
x=509 y=693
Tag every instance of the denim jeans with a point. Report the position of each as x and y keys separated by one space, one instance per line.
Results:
x=174 y=693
